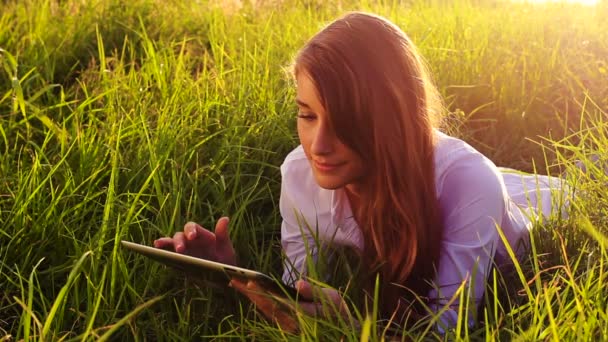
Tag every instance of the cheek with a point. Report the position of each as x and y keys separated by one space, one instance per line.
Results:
x=358 y=166
x=304 y=137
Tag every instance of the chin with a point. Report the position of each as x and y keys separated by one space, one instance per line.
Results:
x=328 y=183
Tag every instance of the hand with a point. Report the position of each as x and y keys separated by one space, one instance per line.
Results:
x=321 y=302
x=273 y=307
x=198 y=242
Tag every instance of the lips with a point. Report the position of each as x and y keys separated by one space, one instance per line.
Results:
x=326 y=167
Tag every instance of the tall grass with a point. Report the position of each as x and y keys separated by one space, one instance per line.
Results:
x=123 y=120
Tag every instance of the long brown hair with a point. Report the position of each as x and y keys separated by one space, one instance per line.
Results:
x=376 y=90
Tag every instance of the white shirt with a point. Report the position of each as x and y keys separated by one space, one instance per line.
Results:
x=476 y=199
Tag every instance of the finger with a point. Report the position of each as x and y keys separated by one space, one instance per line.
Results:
x=267 y=304
x=221 y=231
x=310 y=308
x=194 y=232
x=322 y=299
x=325 y=309
x=254 y=292
x=260 y=296
x=179 y=242
x=239 y=285
x=249 y=289
x=190 y=230
x=316 y=293
x=205 y=237
x=164 y=243
x=307 y=291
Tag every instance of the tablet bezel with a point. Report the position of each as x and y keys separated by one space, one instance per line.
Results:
x=189 y=264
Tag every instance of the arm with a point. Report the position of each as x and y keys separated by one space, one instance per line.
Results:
x=296 y=239
x=300 y=248
x=473 y=199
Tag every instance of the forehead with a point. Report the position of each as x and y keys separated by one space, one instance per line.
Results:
x=307 y=92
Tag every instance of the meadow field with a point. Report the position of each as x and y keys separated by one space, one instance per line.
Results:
x=126 y=119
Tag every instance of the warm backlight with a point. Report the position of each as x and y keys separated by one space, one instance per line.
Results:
x=582 y=2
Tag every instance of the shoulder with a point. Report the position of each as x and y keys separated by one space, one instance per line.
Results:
x=302 y=200
x=296 y=173
x=296 y=159
x=298 y=184
x=458 y=163
x=470 y=187
x=451 y=151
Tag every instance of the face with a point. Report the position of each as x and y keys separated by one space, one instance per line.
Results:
x=333 y=164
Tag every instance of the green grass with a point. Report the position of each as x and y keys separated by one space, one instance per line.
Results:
x=124 y=120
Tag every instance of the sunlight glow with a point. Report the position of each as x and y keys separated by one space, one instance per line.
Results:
x=582 y=2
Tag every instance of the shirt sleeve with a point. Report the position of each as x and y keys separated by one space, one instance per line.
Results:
x=296 y=239
x=473 y=199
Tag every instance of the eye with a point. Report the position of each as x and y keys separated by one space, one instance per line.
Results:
x=307 y=116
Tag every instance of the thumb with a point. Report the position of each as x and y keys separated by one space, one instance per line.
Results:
x=222 y=235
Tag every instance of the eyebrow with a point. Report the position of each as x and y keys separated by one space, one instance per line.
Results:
x=302 y=103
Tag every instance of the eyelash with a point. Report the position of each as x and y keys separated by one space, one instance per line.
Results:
x=306 y=116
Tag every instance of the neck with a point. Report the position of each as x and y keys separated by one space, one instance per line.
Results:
x=353 y=192
x=354 y=189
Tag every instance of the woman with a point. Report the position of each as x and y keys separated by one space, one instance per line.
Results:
x=373 y=172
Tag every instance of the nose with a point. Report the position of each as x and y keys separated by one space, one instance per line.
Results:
x=323 y=140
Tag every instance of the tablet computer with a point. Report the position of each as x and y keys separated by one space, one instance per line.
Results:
x=196 y=267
